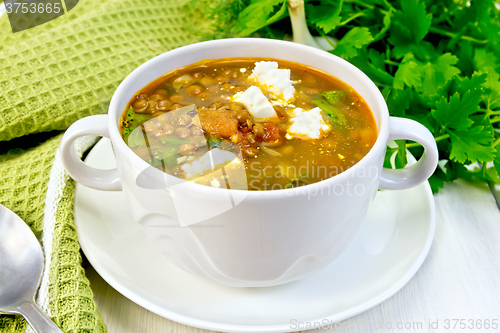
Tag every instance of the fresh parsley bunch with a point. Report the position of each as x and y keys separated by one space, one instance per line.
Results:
x=436 y=62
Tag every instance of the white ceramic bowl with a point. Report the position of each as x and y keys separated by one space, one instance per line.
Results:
x=249 y=238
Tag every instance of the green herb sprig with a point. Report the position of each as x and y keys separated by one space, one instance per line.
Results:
x=328 y=104
x=436 y=62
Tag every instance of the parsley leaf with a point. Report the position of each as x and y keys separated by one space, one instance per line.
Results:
x=386 y=21
x=411 y=24
x=372 y=63
x=436 y=73
x=400 y=160
x=455 y=112
x=326 y=17
x=492 y=89
x=483 y=59
x=462 y=85
x=471 y=145
x=437 y=180
x=355 y=39
x=406 y=74
x=259 y=14
x=398 y=101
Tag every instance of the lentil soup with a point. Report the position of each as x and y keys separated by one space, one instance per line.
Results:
x=249 y=123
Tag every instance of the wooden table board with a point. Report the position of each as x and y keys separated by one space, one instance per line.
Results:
x=460 y=278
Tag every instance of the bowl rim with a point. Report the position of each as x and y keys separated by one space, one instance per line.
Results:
x=368 y=160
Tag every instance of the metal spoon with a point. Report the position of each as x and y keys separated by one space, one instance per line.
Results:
x=21 y=266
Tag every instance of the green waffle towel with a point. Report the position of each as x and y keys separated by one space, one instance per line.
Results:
x=50 y=76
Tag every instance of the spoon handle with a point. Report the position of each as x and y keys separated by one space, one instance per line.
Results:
x=37 y=319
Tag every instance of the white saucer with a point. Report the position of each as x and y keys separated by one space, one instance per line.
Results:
x=389 y=248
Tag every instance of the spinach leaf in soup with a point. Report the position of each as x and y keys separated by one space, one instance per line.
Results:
x=328 y=103
x=135 y=138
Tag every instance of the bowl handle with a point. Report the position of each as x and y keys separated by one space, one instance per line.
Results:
x=407 y=129
x=106 y=180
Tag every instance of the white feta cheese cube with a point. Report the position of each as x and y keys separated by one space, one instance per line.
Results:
x=197 y=167
x=257 y=104
x=212 y=159
x=307 y=124
x=275 y=81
